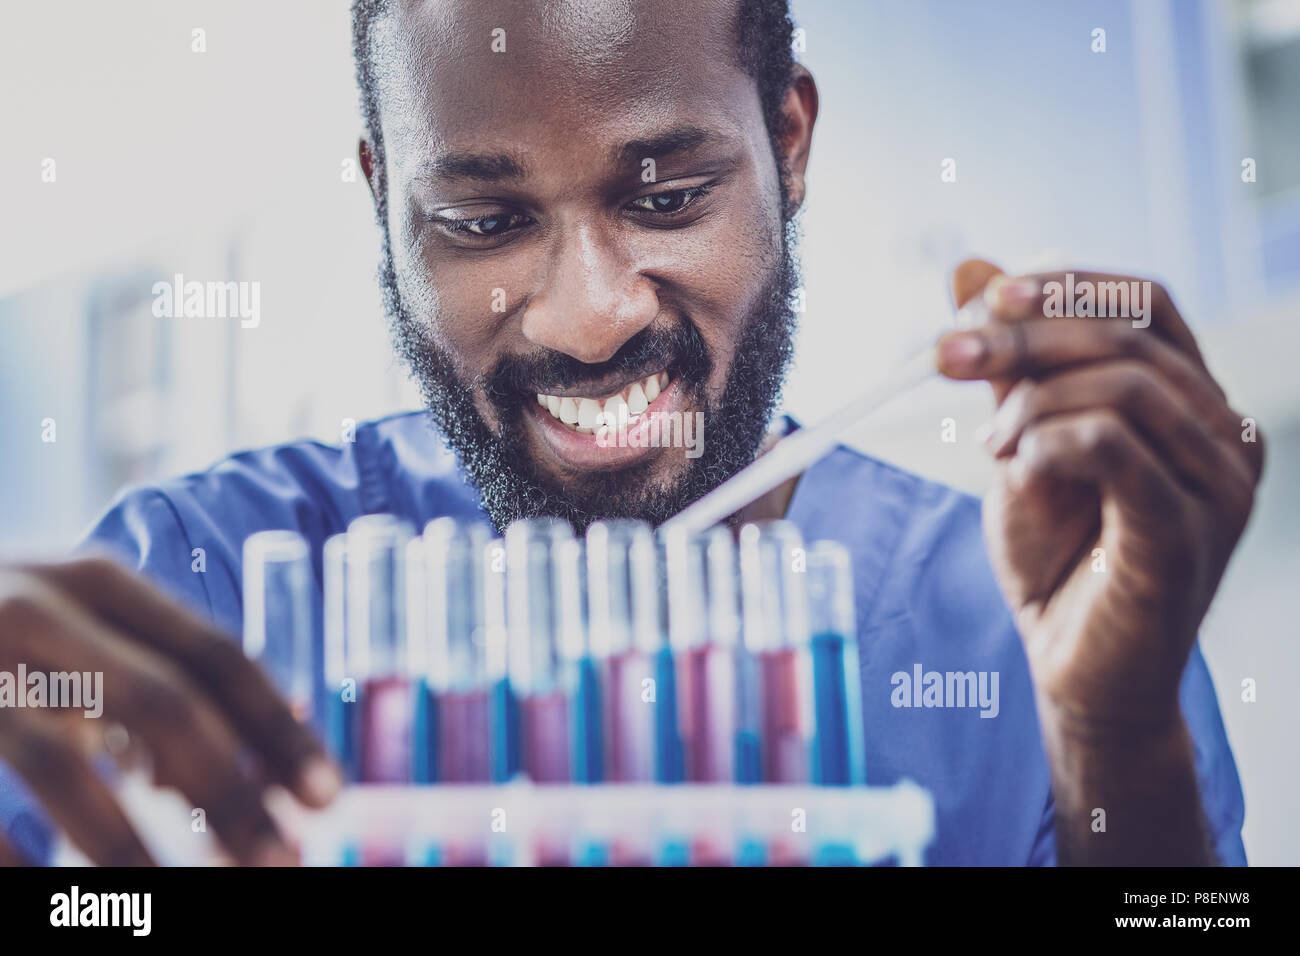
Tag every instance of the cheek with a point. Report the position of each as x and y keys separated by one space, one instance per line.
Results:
x=458 y=302
x=720 y=270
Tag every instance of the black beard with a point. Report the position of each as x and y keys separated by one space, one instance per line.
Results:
x=497 y=463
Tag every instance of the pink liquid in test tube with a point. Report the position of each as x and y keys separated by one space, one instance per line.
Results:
x=774 y=602
x=540 y=554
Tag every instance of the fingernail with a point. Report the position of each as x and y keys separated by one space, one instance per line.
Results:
x=319 y=781
x=962 y=351
x=984 y=433
x=1006 y=294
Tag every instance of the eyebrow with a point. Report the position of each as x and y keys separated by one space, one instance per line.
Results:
x=488 y=167
x=499 y=167
x=677 y=140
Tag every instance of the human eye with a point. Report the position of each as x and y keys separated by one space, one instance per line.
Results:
x=493 y=225
x=669 y=202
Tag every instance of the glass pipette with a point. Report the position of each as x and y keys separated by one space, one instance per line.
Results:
x=793 y=454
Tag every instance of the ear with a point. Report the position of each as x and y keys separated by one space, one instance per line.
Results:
x=367 y=157
x=799 y=115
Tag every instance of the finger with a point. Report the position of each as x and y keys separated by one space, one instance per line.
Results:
x=1012 y=351
x=1055 y=294
x=215 y=662
x=1099 y=447
x=192 y=746
x=1146 y=400
x=67 y=786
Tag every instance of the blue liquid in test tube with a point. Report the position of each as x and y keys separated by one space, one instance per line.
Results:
x=630 y=648
x=534 y=549
x=503 y=710
x=578 y=671
x=446 y=621
x=774 y=598
x=542 y=597
x=838 y=746
x=341 y=688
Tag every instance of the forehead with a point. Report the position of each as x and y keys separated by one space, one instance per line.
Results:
x=593 y=72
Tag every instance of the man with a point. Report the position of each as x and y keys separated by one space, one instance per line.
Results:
x=591 y=205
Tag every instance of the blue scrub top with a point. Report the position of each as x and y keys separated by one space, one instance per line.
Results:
x=925 y=594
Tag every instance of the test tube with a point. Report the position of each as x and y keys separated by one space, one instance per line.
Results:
x=716 y=686
x=735 y=686
x=503 y=708
x=341 y=690
x=376 y=623
x=774 y=599
x=277 y=580
x=837 y=757
x=684 y=576
x=704 y=631
x=535 y=569
x=580 y=676
x=446 y=621
x=632 y=654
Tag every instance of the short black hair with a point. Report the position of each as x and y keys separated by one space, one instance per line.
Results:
x=764 y=42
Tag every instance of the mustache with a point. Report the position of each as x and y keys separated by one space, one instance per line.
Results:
x=679 y=348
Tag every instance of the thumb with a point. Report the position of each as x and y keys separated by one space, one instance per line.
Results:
x=969 y=281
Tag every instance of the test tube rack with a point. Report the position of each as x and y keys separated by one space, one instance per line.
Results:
x=524 y=824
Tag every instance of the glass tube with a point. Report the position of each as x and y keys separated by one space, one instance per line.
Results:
x=376 y=640
x=534 y=569
x=774 y=600
x=580 y=675
x=503 y=711
x=735 y=684
x=341 y=690
x=446 y=622
x=837 y=757
x=719 y=690
x=277 y=579
x=629 y=645
x=684 y=577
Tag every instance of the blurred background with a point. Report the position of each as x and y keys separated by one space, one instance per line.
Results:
x=131 y=156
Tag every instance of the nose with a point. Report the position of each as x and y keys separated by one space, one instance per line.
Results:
x=592 y=299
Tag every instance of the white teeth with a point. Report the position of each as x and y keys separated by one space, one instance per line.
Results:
x=588 y=409
x=615 y=410
x=636 y=400
x=587 y=414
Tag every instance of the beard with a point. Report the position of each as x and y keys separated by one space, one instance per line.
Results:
x=497 y=461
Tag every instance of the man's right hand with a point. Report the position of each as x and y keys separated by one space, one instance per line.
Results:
x=176 y=683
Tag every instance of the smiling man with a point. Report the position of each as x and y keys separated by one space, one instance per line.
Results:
x=585 y=211
x=586 y=216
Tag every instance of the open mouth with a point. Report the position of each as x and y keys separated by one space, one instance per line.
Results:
x=606 y=432
x=585 y=414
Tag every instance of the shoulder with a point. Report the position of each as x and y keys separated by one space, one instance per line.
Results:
x=187 y=532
